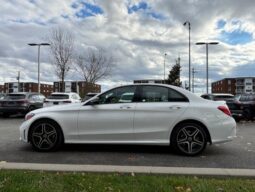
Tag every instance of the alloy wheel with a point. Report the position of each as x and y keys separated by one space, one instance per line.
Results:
x=44 y=136
x=190 y=140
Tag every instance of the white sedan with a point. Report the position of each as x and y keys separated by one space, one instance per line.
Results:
x=150 y=114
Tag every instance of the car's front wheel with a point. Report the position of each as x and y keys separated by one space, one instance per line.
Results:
x=189 y=139
x=46 y=135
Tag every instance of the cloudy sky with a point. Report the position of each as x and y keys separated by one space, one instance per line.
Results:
x=137 y=33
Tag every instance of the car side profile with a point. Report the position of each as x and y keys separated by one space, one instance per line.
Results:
x=20 y=103
x=144 y=114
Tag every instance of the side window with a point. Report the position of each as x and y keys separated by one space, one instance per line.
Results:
x=118 y=95
x=175 y=96
x=34 y=97
x=154 y=94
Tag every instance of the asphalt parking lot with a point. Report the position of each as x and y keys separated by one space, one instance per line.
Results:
x=239 y=153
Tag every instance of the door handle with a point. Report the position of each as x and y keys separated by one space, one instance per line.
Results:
x=175 y=107
x=125 y=107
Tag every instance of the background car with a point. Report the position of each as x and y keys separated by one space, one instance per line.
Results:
x=147 y=114
x=20 y=103
x=217 y=96
x=235 y=107
x=247 y=102
x=58 y=98
x=242 y=106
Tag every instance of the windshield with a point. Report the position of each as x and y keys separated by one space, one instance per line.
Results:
x=58 y=96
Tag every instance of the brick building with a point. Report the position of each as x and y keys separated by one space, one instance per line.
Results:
x=11 y=87
x=234 y=86
x=80 y=87
x=1 y=88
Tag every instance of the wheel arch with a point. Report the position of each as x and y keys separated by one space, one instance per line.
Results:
x=41 y=119
x=208 y=136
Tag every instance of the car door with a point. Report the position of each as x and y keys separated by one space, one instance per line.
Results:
x=158 y=109
x=111 y=120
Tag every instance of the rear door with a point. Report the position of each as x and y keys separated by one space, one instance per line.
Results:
x=158 y=109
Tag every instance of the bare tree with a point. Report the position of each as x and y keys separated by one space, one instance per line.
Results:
x=62 y=46
x=96 y=64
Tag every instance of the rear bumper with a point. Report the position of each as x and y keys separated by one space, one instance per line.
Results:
x=223 y=131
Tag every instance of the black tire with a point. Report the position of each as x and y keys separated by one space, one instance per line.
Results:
x=46 y=135
x=247 y=114
x=188 y=139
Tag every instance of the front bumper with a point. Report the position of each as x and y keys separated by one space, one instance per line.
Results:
x=14 y=109
x=23 y=130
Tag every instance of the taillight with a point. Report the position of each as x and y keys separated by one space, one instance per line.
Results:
x=225 y=110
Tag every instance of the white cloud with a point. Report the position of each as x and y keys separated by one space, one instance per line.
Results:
x=138 y=40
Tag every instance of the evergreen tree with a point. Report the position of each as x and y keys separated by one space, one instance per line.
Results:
x=174 y=74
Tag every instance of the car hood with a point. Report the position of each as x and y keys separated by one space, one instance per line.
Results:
x=57 y=108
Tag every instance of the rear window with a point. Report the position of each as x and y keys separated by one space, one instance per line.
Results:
x=16 y=96
x=58 y=96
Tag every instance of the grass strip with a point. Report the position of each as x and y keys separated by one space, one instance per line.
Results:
x=33 y=181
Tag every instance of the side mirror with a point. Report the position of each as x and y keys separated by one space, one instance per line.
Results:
x=94 y=101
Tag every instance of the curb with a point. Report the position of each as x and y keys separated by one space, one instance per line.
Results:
x=130 y=169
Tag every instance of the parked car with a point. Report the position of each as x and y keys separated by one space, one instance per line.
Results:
x=89 y=96
x=235 y=107
x=57 y=98
x=217 y=96
x=156 y=114
x=22 y=102
x=247 y=102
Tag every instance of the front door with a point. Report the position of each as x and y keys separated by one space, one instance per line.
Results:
x=111 y=120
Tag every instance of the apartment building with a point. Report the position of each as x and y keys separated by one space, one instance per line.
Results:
x=80 y=87
x=12 y=87
x=234 y=86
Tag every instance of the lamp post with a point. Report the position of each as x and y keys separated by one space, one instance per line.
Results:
x=165 y=68
x=39 y=45
x=207 y=43
x=188 y=23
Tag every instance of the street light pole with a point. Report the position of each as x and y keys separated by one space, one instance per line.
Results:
x=187 y=22
x=165 y=68
x=39 y=46
x=207 y=66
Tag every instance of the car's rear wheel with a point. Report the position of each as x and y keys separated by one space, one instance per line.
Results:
x=46 y=135
x=189 y=139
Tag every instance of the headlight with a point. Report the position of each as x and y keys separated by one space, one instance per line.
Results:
x=29 y=116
